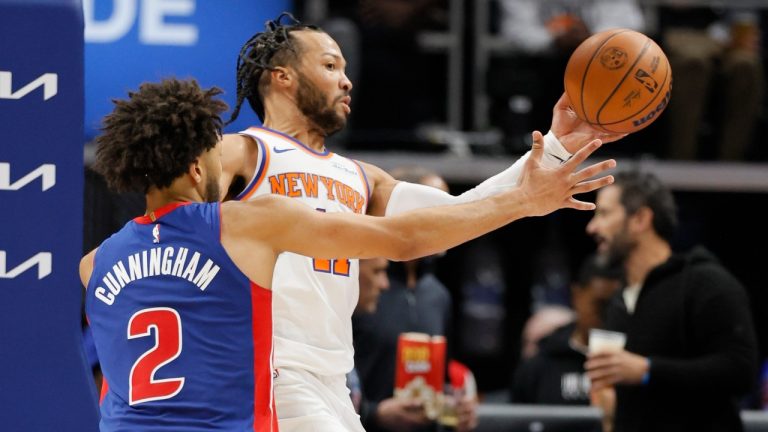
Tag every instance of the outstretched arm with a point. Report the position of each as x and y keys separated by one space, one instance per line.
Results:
x=286 y=225
x=567 y=135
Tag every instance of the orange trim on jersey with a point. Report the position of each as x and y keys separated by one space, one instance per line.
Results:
x=298 y=144
x=364 y=178
x=264 y=414
x=261 y=173
x=157 y=214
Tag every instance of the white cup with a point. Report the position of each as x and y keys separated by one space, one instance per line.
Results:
x=605 y=340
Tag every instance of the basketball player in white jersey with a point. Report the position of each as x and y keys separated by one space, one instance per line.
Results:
x=293 y=77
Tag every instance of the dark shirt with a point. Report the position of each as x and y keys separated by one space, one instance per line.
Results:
x=692 y=320
x=424 y=309
x=555 y=375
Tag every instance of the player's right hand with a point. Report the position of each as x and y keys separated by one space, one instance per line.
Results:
x=550 y=189
x=573 y=132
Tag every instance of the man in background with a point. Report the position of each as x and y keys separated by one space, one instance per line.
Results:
x=556 y=375
x=690 y=351
x=415 y=302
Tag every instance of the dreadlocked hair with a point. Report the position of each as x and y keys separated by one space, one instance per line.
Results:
x=265 y=51
x=151 y=138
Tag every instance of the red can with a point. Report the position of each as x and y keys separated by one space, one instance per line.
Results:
x=420 y=370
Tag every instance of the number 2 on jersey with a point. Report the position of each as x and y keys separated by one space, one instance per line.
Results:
x=339 y=266
x=142 y=385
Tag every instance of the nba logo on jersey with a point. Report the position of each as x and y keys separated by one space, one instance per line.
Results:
x=156 y=234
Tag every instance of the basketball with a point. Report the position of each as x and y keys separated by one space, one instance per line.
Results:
x=618 y=80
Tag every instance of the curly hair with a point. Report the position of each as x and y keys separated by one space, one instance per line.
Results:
x=151 y=138
x=264 y=51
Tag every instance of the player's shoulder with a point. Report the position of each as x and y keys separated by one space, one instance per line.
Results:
x=370 y=169
x=374 y=174
x=233 y=147
x=256 y=134
x=239 y=153
x=237 y=141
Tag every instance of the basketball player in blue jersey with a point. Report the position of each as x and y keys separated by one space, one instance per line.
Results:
x=293 y=77
x=179 y=299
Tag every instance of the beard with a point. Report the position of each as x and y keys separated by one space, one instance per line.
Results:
x=619 y=249
x=313 y=104
x=212 y=193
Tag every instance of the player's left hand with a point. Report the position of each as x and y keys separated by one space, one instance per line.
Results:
x=573 y=132
x=609 y=368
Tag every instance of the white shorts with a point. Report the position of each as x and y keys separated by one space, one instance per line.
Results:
x=306 y=402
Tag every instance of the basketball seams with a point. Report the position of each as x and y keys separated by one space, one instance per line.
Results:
x=651 y=102
x=586 y=70
x=624 y=78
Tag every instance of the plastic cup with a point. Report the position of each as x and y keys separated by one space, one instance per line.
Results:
x=605 y=340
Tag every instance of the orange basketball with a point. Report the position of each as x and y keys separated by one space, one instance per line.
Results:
x=618 y=80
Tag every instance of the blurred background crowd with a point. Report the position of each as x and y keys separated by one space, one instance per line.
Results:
x=456 y=87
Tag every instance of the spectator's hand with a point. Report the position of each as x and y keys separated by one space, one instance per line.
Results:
x=401 y=415
x=606 y=369
x=466 y=411
x=573 y=132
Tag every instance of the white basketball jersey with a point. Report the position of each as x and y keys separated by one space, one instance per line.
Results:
x=313 y=300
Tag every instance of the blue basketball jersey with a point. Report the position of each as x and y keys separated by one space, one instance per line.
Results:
x=184 y=338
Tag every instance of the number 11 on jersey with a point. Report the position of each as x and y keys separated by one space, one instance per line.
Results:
x=339 y=266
